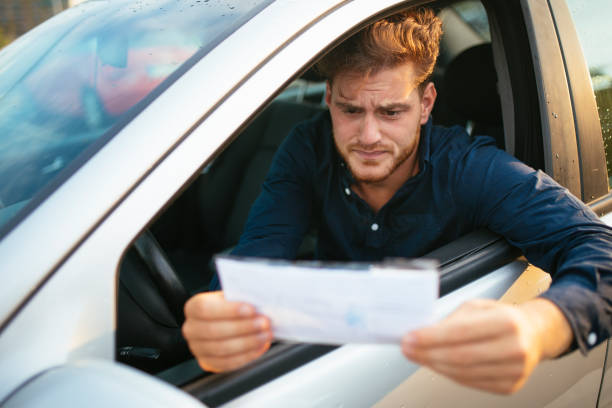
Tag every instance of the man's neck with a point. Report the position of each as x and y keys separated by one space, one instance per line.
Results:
x=376 y=195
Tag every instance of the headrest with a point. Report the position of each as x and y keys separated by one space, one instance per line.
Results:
x=470 y=84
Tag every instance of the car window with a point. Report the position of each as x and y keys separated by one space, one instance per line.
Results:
x=198 y=225
x=208 y=217
x=76 y=78
x=465 y=25
x=591 y=19
x=474 y=14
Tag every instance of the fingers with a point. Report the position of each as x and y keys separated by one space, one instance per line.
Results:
x=496 y=350
x=460 y=326
x=220 y=364
x=230 y=347
x=212 y=306
x=224 y=335
x=484 y=344
x=197 y=330
x=229 y=354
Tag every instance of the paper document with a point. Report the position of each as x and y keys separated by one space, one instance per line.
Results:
x=334 y=303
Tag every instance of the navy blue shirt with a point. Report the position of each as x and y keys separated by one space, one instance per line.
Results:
x=462 y=185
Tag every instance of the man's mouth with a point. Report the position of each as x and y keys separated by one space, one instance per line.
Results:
x=369 y=154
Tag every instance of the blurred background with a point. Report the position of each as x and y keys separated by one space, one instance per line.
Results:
x=18 y=16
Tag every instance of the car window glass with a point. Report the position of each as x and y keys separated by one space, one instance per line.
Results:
x=592 y=21
x=474 y=14
x=465 y=24
x=74 y=78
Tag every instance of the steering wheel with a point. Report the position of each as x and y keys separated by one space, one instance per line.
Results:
x=162 y=273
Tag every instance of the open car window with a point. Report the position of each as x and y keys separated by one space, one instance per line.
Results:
x=208 y=217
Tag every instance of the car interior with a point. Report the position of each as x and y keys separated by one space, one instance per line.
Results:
x=172 y=259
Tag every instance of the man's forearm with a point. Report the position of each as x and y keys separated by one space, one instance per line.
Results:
x=554 y=330
x=491 y=345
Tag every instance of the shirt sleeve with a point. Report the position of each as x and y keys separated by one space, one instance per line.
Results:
x=281 y=215
x=554 y=230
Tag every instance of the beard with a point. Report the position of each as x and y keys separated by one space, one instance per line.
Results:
x=390 y=167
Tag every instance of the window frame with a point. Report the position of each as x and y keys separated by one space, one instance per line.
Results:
x=478 y=254
x=575 y=155
x=463 y=261
x=138 y=205
x=560 y=149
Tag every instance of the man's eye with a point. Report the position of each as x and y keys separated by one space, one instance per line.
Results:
x=392 y=113
x=351 y=111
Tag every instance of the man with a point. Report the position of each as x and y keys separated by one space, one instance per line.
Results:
x=380 y=180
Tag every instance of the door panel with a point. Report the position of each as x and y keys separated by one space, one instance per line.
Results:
x=570 y=381
x=359 y=375
x=605 y=399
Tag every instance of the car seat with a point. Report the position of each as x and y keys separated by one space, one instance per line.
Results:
x=469 y=94
x=227 y=191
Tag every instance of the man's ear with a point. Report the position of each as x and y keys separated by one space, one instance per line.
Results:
x=328 y=93
x=427 y=101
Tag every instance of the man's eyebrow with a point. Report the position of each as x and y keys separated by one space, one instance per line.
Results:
x=395 y=106
x=346 y=105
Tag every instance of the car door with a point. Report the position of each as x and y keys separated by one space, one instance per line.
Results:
x=190 y=137
x=544 y=135
x=568 y=113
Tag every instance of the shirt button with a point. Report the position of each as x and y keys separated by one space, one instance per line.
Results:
x=374 y=227
x=347 y=191
x=592 y=339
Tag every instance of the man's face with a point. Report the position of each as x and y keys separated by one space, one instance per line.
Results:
x=377 y=119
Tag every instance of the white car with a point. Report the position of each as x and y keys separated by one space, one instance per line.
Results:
x=134 y=135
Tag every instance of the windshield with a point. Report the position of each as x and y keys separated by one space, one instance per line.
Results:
x=74 y=79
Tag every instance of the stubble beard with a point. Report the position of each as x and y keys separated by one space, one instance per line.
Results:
x=397 y=161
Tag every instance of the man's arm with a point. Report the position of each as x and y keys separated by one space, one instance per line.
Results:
x=556 y=232
x=489 y=345
x=494 y=346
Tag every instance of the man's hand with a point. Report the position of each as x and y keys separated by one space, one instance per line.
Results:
x=224 y=335
x=489 y=345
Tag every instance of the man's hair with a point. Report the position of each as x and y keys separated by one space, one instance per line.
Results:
x=408 y=36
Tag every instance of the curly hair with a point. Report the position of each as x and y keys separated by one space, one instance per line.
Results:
x=408 y=36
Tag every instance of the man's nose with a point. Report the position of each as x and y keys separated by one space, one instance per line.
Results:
x=370 y=134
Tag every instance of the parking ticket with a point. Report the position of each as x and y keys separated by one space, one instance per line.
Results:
x=335 y=303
